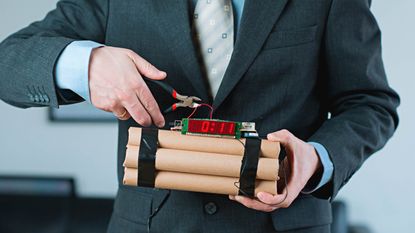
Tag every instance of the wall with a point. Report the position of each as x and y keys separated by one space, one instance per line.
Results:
x=380 y=194
x=30 y=144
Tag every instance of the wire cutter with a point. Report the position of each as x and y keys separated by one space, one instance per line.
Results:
x=185 y=101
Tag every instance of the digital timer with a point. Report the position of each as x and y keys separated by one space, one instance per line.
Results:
x=219 y=128
x=211 y=127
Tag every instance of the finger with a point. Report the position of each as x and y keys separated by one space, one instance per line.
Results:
x=254 y=204
x=283 y=136
x=146 y=68
x=121 y=113
x=137 y=111
x=126 y=116
x=270 y=199
x=291 y=192
x=150 y=104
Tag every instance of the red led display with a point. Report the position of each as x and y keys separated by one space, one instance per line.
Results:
x=211 y=127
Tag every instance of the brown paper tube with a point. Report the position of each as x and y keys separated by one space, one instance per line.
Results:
x=176 y=140
x=203 y=163
x=198 y=183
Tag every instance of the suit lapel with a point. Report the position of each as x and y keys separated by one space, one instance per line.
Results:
x=175 y=25
x=257 y=21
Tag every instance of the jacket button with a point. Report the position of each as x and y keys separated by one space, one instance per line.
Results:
x=211 y=208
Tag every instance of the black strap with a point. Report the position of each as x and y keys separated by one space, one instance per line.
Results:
x=147 y=157
x=249 y=167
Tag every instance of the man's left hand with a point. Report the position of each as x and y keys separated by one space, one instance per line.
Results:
x=303 y=163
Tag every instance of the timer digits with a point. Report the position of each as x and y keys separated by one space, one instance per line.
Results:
x=211 y=127
x=217 y=128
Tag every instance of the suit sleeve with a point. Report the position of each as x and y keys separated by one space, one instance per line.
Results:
x=28 y=57
x=361 y=103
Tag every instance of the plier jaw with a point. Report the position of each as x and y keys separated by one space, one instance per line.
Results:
x=188 y=101
x=185 y=101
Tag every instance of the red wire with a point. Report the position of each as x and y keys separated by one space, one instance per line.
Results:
x=206 y=105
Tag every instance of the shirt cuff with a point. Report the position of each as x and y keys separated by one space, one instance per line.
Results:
x=328 y=168
x=72 y=68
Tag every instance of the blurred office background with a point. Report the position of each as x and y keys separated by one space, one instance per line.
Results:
x=380 y=196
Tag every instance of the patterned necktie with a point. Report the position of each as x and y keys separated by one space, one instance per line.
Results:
x=214 y=26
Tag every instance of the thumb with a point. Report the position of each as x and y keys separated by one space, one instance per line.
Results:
x=146 y=68
x=283 y=136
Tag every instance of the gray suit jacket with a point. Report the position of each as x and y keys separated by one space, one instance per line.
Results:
x=294 y=62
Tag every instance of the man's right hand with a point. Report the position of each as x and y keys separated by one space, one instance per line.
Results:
x=116 y=85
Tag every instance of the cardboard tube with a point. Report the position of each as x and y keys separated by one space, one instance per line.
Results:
x=176 y=140
x=203 y=163
x=198 y=183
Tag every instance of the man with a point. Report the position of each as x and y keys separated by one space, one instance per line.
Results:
x=285 y=64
